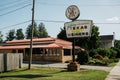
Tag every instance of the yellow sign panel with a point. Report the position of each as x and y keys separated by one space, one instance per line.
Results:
x=77 y=31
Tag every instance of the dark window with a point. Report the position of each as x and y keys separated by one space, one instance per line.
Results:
x=20 y=51
x=37 y=51
x=66 y=52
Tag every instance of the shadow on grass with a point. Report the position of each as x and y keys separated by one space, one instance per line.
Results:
x=29 y=76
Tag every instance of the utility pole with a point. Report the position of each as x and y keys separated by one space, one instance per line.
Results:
x=31 y=39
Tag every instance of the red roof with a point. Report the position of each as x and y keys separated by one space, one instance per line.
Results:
x=12 y=47
x=34 y=40
x=47 y=43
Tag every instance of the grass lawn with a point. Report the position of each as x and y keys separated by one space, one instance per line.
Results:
x=37 y=73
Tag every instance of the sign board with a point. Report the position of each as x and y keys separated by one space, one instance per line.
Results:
x=78 y=28
x=72 y=12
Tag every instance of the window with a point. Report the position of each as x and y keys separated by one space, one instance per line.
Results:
x=67 y=52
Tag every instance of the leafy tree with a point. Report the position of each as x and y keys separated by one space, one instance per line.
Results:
x=94 y=41
x=19 y=34
x=10 y=35
x=42 y=31
x=1 y=39
x=117 y=44
x=28 y=31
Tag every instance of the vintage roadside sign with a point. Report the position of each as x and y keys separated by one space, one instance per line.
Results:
x=72 y=12
x=78 y=28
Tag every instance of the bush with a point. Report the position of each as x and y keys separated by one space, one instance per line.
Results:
x=82 y=57
x=92 y=52
x=118 y=52
x=103 y=52
x=97 y=56
x=95 y=61
x=113 y=53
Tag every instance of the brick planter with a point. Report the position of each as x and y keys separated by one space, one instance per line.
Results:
x=73 y=66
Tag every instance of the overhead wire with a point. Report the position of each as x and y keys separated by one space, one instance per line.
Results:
x=10 y=3
x=15 y=24
x=86 y=5
x=14 y=10
x=53 y=21
x=12 y=6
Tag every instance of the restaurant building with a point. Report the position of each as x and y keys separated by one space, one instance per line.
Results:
x=44 y=49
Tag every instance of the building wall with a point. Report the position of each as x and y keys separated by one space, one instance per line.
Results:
x=53 y=54
x=107 y=44
x=5 y=51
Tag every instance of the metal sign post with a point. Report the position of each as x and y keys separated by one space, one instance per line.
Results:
x=74 y=29
x=73 y=13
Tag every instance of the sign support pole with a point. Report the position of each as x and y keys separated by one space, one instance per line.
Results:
x=73 y=50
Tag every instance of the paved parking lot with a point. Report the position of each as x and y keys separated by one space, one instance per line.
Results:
x=64 y=65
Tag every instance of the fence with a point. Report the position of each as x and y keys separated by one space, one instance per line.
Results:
x=10 y=61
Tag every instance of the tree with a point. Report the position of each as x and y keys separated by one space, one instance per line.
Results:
x=42 y=31
x=1 y=39
x=19 y=34
x=117 y=44
x=28 y=31
x=94 y=41
x=10 y=35
x=62 y=34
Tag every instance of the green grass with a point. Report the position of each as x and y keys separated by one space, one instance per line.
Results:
x=52 y=74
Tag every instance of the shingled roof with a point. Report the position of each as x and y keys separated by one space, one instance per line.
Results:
x=38 y=43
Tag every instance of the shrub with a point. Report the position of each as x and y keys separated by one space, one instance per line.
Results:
x=97 y=56
x=113 y=53
x=92 y=52
x=118 y=52
x=103 y=52
x=82 y=57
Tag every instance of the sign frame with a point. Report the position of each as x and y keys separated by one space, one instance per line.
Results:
x=78 y=28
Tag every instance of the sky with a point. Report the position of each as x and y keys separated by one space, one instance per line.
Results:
x=15 y=14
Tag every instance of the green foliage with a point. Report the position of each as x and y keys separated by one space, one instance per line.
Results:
x=94 y=41
x=1 y=35
x=38 y=32
x=83 y=57
x=103 y=52
x=62 y=35
x=19 y=34
x=117 y=44
x=10 y=35
x=117 y=50
x=29 y=31
x=92 y=52
x=42 y=31
x=103 y=56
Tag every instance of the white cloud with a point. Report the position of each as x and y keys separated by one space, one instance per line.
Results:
x=113 y=19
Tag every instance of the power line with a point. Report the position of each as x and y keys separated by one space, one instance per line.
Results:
x=15 y=24
x=53 y=21
x=54 y=4
x=14 y=10
x=10 y=3
x=12 y=6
